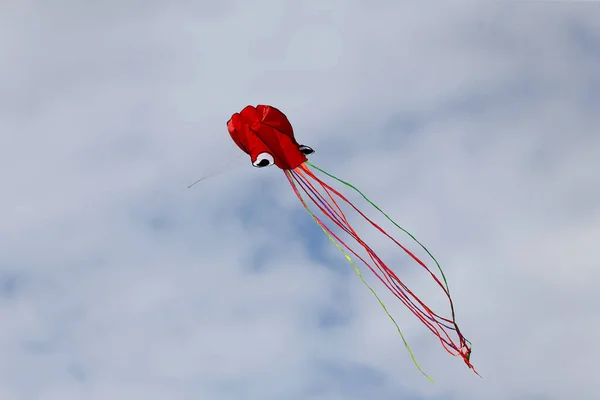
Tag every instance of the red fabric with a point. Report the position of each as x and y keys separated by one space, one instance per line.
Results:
x=265 y=129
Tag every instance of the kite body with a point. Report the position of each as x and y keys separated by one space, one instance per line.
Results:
x=265 y=134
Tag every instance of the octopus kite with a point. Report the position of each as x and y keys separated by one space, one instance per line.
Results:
x=265 y=134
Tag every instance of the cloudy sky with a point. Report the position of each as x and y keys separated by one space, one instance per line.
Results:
x=475 y=125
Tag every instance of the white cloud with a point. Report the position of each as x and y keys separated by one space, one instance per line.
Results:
x=474 y=126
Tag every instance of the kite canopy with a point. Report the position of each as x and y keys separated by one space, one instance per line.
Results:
x=265 y=134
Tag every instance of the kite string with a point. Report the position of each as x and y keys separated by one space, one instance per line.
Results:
x=333 y=238
x=228 y=165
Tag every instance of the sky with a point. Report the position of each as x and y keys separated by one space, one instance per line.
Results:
x=475 y=125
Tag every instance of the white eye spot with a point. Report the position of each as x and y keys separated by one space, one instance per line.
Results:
x=263 y=160
x=305 y=149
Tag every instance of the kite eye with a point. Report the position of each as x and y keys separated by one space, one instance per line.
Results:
x=305 y=150
x=263 y=160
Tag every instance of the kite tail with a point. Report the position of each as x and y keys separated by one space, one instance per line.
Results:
x=303 y=179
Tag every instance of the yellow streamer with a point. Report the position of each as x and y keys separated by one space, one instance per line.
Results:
x=358 y=272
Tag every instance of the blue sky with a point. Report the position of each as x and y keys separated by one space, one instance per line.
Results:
x=474 y=125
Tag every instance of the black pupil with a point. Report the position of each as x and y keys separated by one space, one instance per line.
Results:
x=263 y=163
